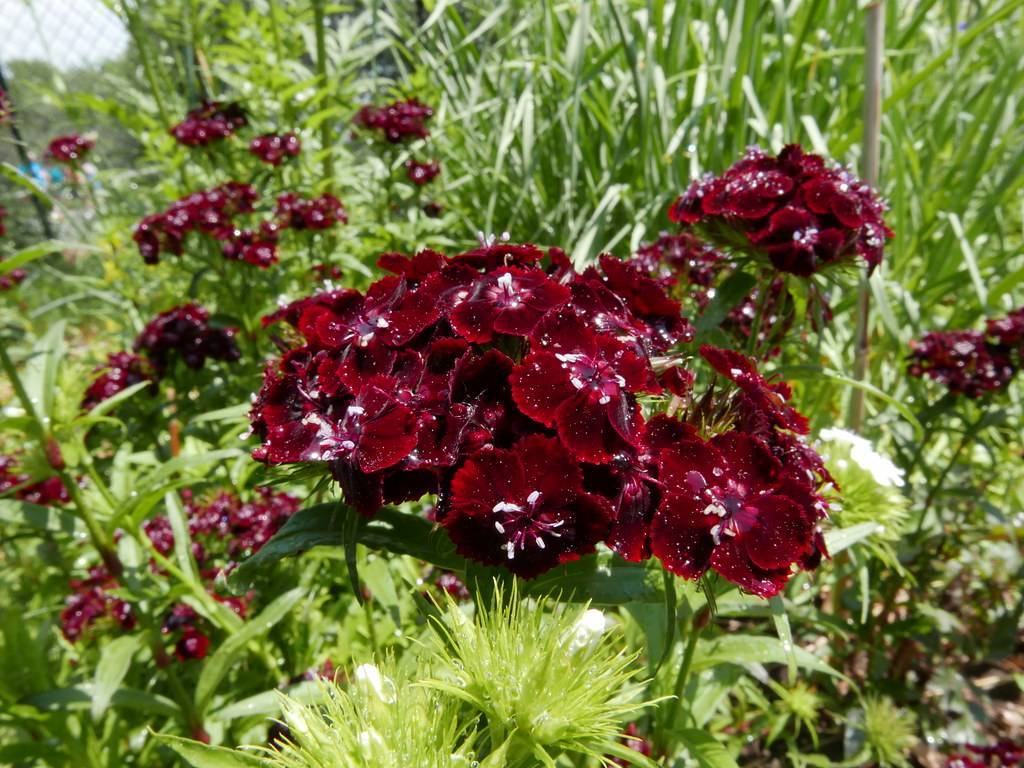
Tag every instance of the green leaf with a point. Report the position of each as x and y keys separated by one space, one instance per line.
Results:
x=33 y=252
x=217 y=666
x=201 y=755
x=603 y=579
x=323 y=525
x=40 y=372
x=182 y=539
x=115 y=659
x=24 y=513
x=781 y=619
x=268 y=703
x=730 y=293
x=706 y=749
x=754 y=649
x=81 y=697
x=839 y=539
x=106 y=406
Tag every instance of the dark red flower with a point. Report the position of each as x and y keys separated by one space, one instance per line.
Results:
x=728 y=505
x=70 y=149
x=211 y=121
x=507 y=300
x=431 y=209
x=258 y=248
x=794 y=209
x=632 y=739
x=209 y=211
x=273 y=149
x=122 y=370
x=3 y=215
x=524 y=508
x=398 y=122
x=583 y=384
x=452 y=584
x=1008 y=331
x=762 y=395
x=421 y=173
x=46 y=492
x=185 y=332
x=317 y=213
x=91 y=603
x=962 y=361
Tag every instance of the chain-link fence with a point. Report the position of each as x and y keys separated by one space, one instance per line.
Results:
x=67 y=34
x=49 y=48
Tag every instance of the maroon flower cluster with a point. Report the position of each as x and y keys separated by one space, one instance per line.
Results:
x=692 y=271
x=420 y=173
x=635 y=741
x=211 y=121
x=120 y=371
x=208 y=211
x=972 y=363
x=45 y=492
x=70 y=149
x=512 y=390
x=1003 y=754
x=398 y=122
x=92 y=603
x=800 y=213
x=224 y=530
x=273 y=149
x=185 y=332
x=316 y=213
x=3 y=215
x=12 y=278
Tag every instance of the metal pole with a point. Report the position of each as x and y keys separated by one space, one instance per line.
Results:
x=874 y=51
x=19 y=145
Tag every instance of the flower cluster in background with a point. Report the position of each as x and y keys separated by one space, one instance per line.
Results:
x=185 y=332
x=972 y=363
x=509 y=385
x=397 y=122
x=273 y=149
x=13 y=481
x=224 y=530
x=800 y=213
x=70 y=149
x=210 y=122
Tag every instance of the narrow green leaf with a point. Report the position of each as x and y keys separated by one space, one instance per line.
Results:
x=217 y=666
x=706 y=749
x=781 y=619
x=201 y=755
x=115 y=660
x=730 y=293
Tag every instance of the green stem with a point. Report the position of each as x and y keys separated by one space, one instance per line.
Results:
x=763 y=297
x=696 y=625
x=147 y=65
x=103 y=544
x=968 y=435
x=326 y=130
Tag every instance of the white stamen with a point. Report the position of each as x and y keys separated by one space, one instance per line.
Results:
x=499 y=527
x=532 y=498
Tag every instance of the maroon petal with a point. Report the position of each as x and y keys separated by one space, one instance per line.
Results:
x=594 y=431
x=732 y=563
x=550 y=470
x=489 y=477
x=781 y=536
x=539 y=386
x=681 y=536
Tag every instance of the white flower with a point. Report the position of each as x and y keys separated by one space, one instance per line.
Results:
x=863 y=453
x=588 y=630
x=368 y=676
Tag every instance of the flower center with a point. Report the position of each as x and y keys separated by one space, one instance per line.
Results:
x=526 y=523
x=595 y=376
x=727 y=500
x=506 y=293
